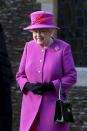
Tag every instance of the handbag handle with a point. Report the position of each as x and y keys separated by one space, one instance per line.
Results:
x=62 y=95
x=60 y=91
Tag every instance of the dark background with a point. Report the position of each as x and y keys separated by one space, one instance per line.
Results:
x=72 y=20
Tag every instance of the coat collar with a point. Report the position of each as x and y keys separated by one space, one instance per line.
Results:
x=55 y=45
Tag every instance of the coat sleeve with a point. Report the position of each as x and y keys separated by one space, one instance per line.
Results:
x=69 y=76
x=21 y=77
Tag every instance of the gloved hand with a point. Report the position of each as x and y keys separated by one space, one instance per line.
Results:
x=30 y=86
x=42 y=88
x=39 y=88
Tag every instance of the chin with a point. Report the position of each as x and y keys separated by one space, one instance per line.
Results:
x=39 y=42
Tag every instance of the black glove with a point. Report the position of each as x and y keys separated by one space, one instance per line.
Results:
x=42 y=88
x=39 y=88
x=30 y=86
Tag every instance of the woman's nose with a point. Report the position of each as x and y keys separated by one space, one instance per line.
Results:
x=38 y=32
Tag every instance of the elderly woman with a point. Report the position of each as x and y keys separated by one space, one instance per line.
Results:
x=45 y=61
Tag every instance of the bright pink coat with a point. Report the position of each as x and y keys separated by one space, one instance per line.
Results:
x=39 y=64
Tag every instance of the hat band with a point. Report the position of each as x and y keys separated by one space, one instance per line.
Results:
x=42 y=20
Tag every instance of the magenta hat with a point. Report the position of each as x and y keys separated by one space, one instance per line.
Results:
x=41 y=19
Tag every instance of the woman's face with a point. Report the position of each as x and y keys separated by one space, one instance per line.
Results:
x=42 y=36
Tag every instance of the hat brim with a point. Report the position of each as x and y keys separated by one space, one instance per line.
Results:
x=40 y=26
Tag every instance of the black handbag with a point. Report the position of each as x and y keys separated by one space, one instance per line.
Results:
x=63 y=110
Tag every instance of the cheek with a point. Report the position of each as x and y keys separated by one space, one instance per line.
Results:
x=34 y=36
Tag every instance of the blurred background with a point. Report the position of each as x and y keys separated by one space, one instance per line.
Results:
x=71 y=17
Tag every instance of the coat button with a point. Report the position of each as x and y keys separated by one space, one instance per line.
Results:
x=42 y=50
x=40 y=60
x=39 y=71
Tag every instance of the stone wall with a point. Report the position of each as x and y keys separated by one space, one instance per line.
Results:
x=78 y=100
x=13 y=16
